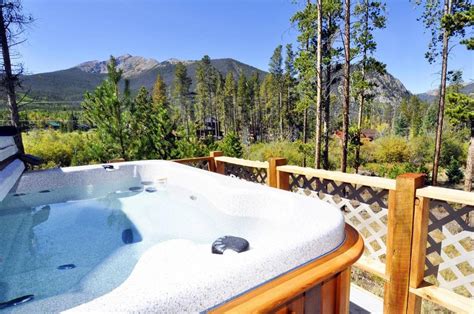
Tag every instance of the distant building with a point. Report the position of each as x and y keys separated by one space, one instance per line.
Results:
x=367 y=135
x=55 y=125
x=211 y=128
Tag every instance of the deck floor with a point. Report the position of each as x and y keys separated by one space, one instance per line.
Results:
x=363 y=302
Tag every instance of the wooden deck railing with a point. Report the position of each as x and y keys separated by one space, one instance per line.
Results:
x=419 y=239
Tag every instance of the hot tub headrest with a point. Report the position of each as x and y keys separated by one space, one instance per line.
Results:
x=9 y=138
x=8 y=151
x=12 y=161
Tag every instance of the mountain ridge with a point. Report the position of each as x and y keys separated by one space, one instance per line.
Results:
x=71 y=84
x=431 y=95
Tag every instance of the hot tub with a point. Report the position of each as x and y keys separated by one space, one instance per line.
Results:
x=137 y=236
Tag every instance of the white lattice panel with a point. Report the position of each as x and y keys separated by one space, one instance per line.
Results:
x=364 y=208
x=450 y=253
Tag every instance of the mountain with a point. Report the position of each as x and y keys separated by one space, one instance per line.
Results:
x=71 y=84
x=130 y=65
x=388 y=89
x=430 y=96
x=468 y=89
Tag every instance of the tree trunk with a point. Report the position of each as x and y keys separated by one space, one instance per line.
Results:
x=305 y=137
x=288 y=111
x=327 y=106
x=347 y=63
x=362 y=93
x=470 y=161
x=234 y=114
x=305 y=112
x=319 y=87
x=10 y=82
x=280 y=104
x=442 y=96
x=359 y=128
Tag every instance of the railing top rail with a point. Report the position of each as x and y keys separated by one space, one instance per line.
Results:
x=445 y=194
x=449 y=299
x=243 y=162
x=384 y=183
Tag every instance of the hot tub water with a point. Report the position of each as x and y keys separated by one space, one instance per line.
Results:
x=85 y=248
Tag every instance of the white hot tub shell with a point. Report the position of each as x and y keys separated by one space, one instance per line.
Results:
x=179 y=273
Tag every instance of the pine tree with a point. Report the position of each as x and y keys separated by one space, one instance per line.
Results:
x=151 y=129
x=267 y=101
x=290 y=89
x=346 y=77
x=442 y=21
x=332 y=10
x=159 y=92
x=417 y=108
x=255 y=106
x=318 y=24
x=453 y=172
x=402 y=126
x=106 y=109
x=242 y=102
x=12 y=26
x=305 y=65
x=319 y=83
x=181 y=96
x=370 y=17
x=230 y=105
x=231 y=145
x=206 y=84
x=460 y=112
x=276 y=70
x=220 y=105
x=459 y=21
x=72 y=122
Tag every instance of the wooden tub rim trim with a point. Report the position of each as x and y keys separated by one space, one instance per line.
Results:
x=287 y=286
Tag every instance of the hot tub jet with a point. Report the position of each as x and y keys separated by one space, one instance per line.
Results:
x=17 y=301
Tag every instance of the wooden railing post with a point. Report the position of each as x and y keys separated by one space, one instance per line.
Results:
x=273 y=163
x=418 y=252
x=400 y=229
x=283 y=180
x=216 y=165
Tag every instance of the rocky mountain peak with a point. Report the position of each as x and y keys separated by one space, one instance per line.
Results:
x=175 y=61
x=131 y=65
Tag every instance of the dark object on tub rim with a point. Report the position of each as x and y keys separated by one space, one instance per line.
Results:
x=135 y=188
x=127 y=236
x=230 y=242
x=66 y=266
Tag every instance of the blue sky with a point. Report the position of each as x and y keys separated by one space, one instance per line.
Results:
x=68 y=32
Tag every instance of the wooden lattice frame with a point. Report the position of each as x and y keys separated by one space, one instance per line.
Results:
x=251 y=174
x=197 y=163
x=450 y=249
x=365 y=208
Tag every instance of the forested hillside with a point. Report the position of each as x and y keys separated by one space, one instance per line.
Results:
x=71 y=84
